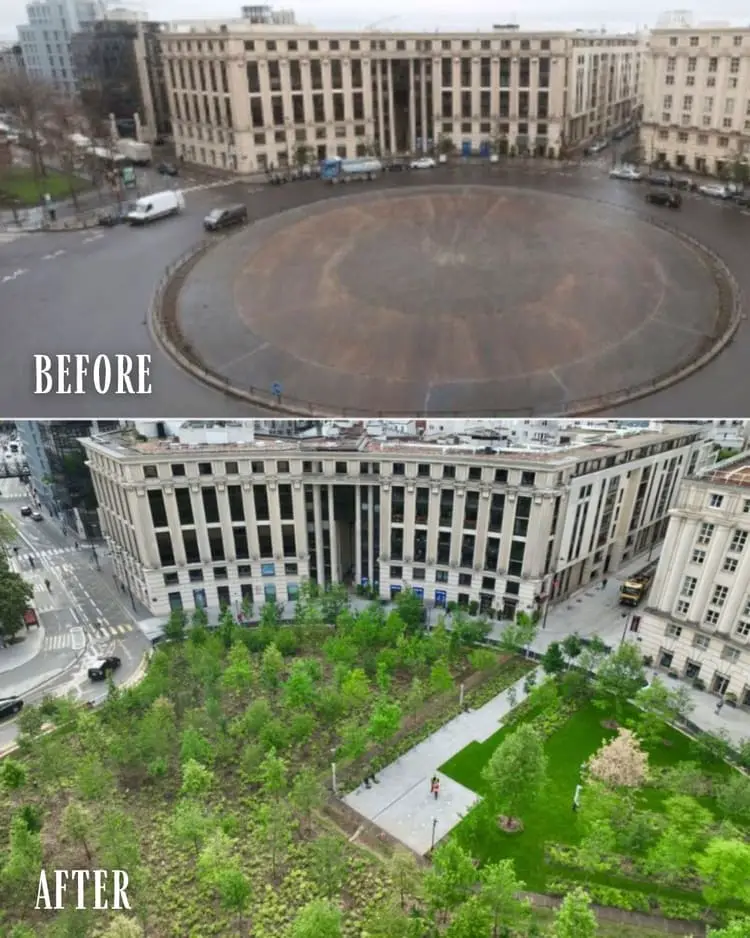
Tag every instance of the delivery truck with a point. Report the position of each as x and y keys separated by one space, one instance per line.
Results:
x=156 y=205
x=138 y=153
x=634 y=589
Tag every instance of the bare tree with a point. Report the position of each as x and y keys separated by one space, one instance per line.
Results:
x=25 y=97
x=62 y=128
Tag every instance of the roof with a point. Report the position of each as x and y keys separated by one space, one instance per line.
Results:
x=734 y=471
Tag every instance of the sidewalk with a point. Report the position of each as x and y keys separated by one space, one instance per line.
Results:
x=401 y=802
x=15 y=656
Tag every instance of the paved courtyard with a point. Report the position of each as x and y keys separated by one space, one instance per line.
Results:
x=462 y=298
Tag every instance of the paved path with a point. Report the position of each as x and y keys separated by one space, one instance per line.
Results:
x=401 y=802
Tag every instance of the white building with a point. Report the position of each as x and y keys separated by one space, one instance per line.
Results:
x=247 y=97
x=697 y=621
x=696 y=101
x=45 y=39
x=212 y=523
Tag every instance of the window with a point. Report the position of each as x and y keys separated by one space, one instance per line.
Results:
x=150 y=472
x=711 y=617
x=178 y=469
x=746 y=506
x=528 y=478
x=738 y=542
x=171 y=579
x=699 y=556
x=705 y=533
x=730 y=654
x=688 y=587
x=204 y=468
x=719 y=596
x=396 y=573
x=701 y=641
x=231 y=468
x=715 y=500
x=449 y=472
x=682 y=608
x=743 y=628
x=501 y=476
x=673 y=631
x=730 y=564
x=398 y=469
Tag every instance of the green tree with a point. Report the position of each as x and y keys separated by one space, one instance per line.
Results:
x=317 y=919
x=405 y=875
x=333 y=601
x=195 y=746
x=174 y=629
x=388 y=920
x=77 y=826
x=553 y=660
x=275 y=829
x=725 y=866
x=575 y=918
x=685 y=833
x=355 y=689
x=737 y=928
x=733 y=797
x=354 y=739
x=8 y=531
x=384 y=721
x=658 y=706
x=516 y=771
x=15 y=596
x=451 y=879
x=13 y=774
x=410 y=609
x=299 y=690
x=238 y=677
x=519 y=634
x=306 y=795
x=271 y=667
x=273 y=775
x=500 y=887
x=123 y=928
x=472 y=919
x=441 y=679
x=19 y=875
x=190 y=824
x=235 y=892
x=328 y=864
x=572 y=646
x=482 y=659
x=620 y=677
x=118 y=842
x=197 y=780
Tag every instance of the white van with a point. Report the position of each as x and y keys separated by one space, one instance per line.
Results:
x=156 y=205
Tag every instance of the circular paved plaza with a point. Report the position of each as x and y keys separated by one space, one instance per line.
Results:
x=465 y=299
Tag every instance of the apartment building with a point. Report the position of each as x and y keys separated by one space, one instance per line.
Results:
x=216 y=515
x=45 y=38
x=697 y=622
x=697 y=97
x=249 y=97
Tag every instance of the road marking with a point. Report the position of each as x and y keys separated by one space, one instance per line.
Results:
x=94 y=237
x=78 y=638
x=49 y=257
x=16 y=273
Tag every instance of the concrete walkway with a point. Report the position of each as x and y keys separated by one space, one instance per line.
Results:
x=14 y=656
x=401 y=803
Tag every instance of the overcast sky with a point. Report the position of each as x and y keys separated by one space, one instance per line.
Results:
x=425 y=14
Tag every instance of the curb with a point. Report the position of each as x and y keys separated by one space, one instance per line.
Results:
x=720 y=273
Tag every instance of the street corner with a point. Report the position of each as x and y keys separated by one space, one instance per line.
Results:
x=16 y=655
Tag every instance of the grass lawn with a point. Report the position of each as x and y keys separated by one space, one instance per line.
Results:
x=17 y=182
x=552 y=820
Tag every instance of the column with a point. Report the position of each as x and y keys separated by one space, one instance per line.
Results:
x=358 y=534
x=371 y=560
x=300 y=527
x=318 y=522
x=251 y=523
x=391 y=114
x=379 y=93
x=274 y=514
x=423 y=103
x=173 y=519
x=434 y=521
x=333 y=540
x=495 y=94
x=457 y=528
x=412 y=109
x=483 y=521
x=410 y=501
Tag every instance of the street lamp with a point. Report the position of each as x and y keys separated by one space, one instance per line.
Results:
x=434 y=825
x=95 y=556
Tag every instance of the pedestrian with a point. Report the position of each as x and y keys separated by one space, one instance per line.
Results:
x=604 y=583
x=435 y=786
x=31 y=561
x=48 y=585
x=76 y=544
x=719 y=705
x=15 y=551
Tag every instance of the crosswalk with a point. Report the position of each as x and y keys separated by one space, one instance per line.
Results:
x=19 y=563
x=75 y=638
x=13 y=489
x=7 y=237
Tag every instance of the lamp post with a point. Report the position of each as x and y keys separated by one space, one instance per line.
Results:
x=95 y=556
x=434 y=825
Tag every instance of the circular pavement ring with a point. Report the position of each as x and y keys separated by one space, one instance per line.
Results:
x=449 y=299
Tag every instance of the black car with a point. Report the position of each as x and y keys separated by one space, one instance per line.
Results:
x=10 y=706
x=168 y=169
x=662 y=197
x=659 y=179
x=103 y=668
x=26 y=511
x=225 y=217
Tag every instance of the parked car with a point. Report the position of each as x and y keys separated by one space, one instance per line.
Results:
x=103 y=668
x=626 y=172
x=168 y=169
x=659 y=179
x=684 y=183
x=397 y=166
x=10 y=706
x=598 y=145
x=715 y=191
x=742 y=199
x=424 y=162
x=36 y=516
x=225 y=217
x=278 y=179
x=26 y=511
x=664 y=197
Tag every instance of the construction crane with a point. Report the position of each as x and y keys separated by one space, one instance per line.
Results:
x=377 y=23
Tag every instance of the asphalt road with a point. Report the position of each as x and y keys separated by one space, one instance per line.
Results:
x=89 y=293
x=82 y=615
